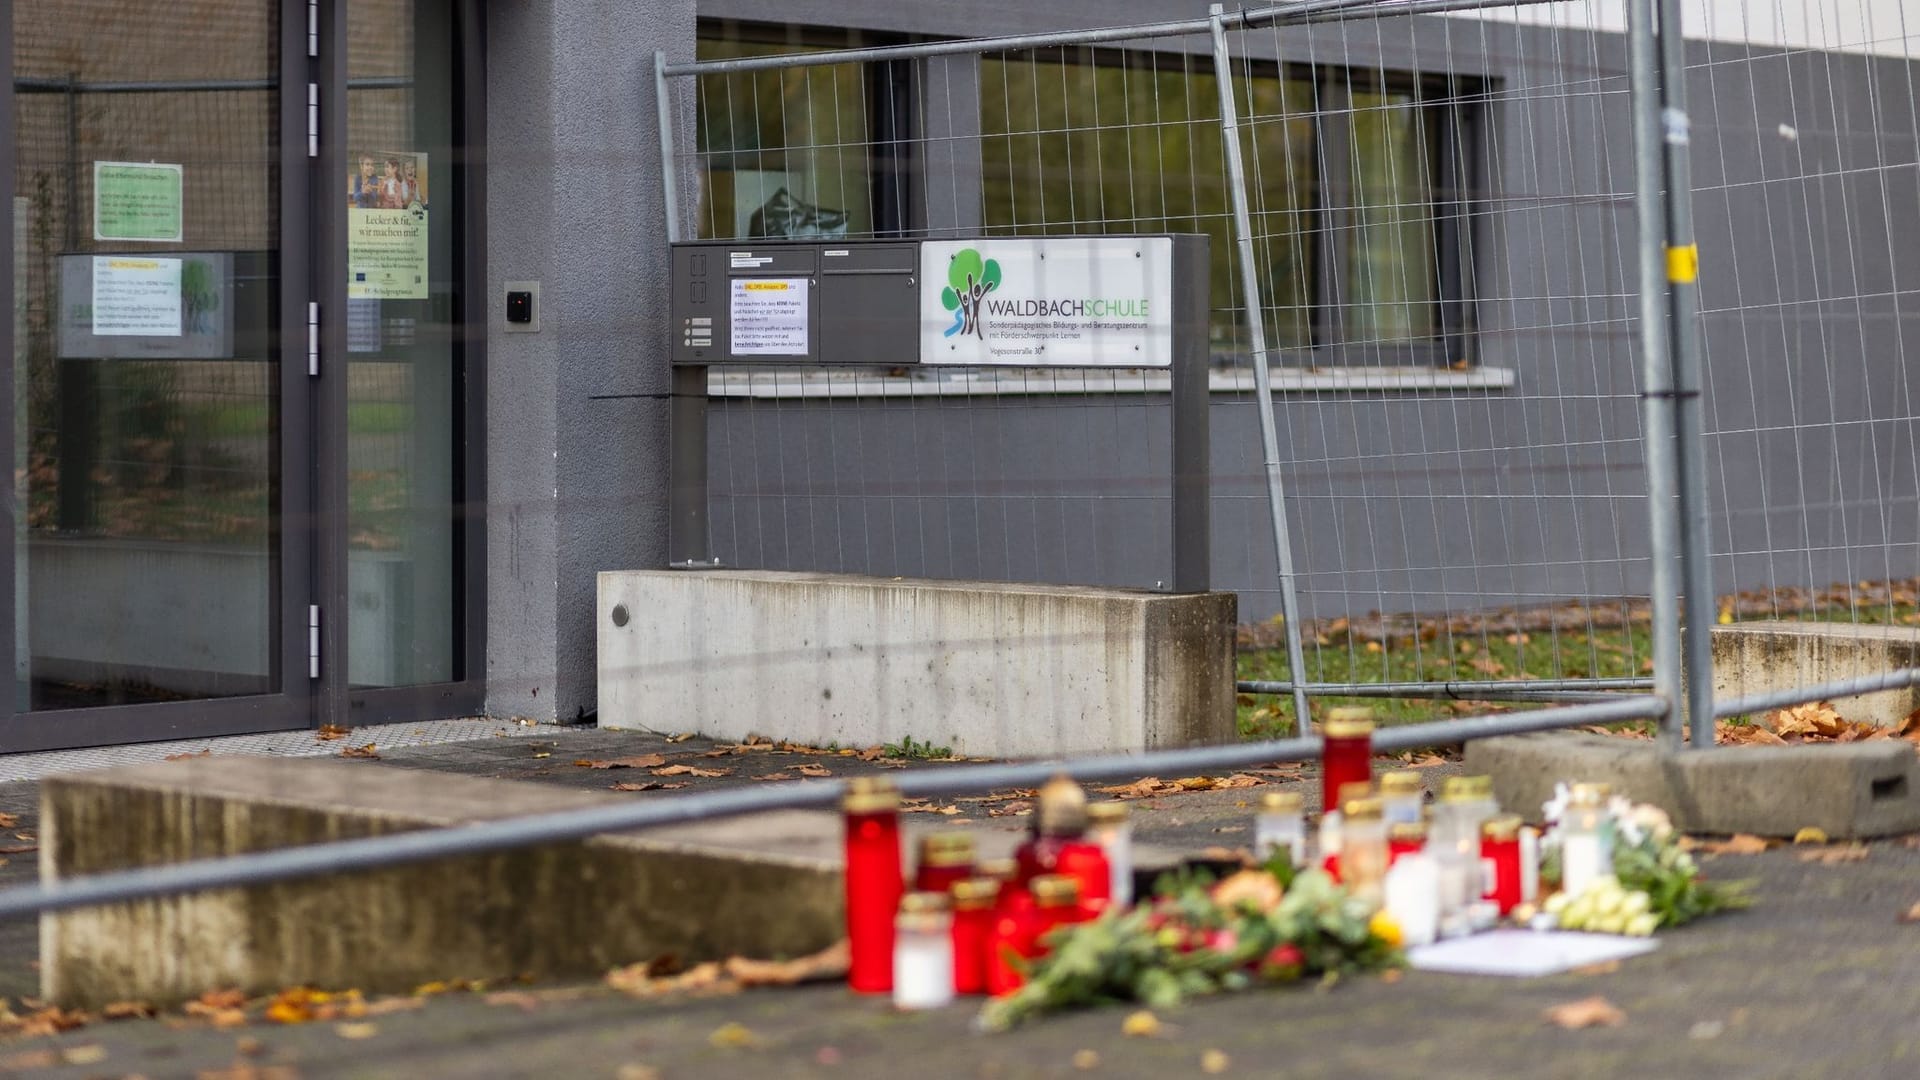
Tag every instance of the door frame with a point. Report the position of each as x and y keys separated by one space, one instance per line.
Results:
x=310 y=558
x=338 y=701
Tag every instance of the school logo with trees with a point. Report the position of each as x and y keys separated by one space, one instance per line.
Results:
x=969 y=279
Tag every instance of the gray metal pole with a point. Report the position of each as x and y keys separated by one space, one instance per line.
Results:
x=1656 y=374
x=1780 y=699
x=1262 y=378
x=669 y=169
x=1191 y=404
x=1683 y=303
x=395 y=849
x=1462 y=690
x=688 y=543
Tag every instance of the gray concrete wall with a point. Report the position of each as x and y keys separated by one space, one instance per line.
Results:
x=1449 y=499
x=576 y=417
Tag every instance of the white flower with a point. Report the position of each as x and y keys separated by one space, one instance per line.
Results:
x=1555 y=808
x=1651 y=820
x=1620 y=809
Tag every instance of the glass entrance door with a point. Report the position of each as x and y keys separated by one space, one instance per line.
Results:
x=159 y=419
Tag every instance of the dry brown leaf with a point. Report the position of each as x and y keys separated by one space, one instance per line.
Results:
x=1833 y=856
x=30 y=1061
x=635 y=1071
x=357 y=1030
x=20 y=849
x=645 y=785
x=1086 y=1060
x=643 y=761
x=208 y=752
x=829 y=963
x=330 y=732
x=393 y=1005
x=775 y=776
x=246 y=1071
x=1487 y=665
x=680 y=738
x=873 y=753
x=219 y=999
x=1605 y=967
x=1595 y=1011
x=1741 y=844
x=1812 y=834
x=48 y=1020
x=810 y=769
x=1140 y=1024
x=644 y=980
x=932 y=808
x=732 y=1035
x=1215 y=1062
x=690 y=770
x=1746 y=735
x=365 y=751
x=518 y=999
x=8 y=821
x=126 y=1010
x=1016 y=808
x=1912 y=914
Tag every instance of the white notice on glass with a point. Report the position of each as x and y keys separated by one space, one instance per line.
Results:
x=136 y=296
x=768 y=317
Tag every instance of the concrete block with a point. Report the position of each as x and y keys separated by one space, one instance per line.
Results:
x=1756 y=657
x=987 y=668
x=764 y=887
x=1862 y=789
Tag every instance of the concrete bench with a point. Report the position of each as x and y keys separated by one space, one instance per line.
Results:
x=985 y=668
x=1756 y=657
x=766 y=887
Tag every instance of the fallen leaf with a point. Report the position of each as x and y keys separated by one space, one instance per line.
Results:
x=873 y=753
x=19 y=849
x=244 y=1071
x=221 y=999
x=1392 y=975
x=47 y=1020
x=645 y=785
x=208 y=752
x=810 y=769
x=126 y=1010
x=1605 y=967
x=1741 y=844
x=690 y=770
x=732 y=1035
x=30 y=1061
x=1836 y=854
x=1140 y=1024
x=1016 y=808
x=1912 y=914
x=1215 y=1062
x=393 y=1005
x=360 y=752
x=1810 y=835
x=8 y=821
x=636 y=1072
x=1085 y=1060
x=680 y=738
x=644 y=980
x=643 y=761
x=518 y=999
x=829 y=963
x=356 y=1031
x=1595 y=1011
x=87 y=1054
x=775 y=776
x=330 y=732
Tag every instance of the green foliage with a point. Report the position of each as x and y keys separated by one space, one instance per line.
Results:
x=1673 y=883
x=1193 y=939
x=907 y=747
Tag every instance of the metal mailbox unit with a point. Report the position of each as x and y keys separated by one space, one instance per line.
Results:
x=1118 y=302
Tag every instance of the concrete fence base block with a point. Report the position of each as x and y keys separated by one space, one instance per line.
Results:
x=986 y=668
x=1852 y=790
x=765 y=887
x=1758 y=657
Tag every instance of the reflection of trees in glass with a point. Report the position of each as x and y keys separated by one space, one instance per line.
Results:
x=1391 y=245
x=801 y=130
x=1131 y=144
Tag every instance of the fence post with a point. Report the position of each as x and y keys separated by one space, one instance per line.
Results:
x=687 y=539
x=1683 y=304
x=1262 y=381
x=1656 y=373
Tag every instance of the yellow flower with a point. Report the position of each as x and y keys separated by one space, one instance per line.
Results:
x=1383 y=927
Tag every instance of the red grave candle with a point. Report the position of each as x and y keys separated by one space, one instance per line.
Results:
x=1405 y=838
x=874 y=882
x=1500 y=854
x=945 y=858
x=973 y=918
x=1018 y=931
x=1060 y=845
x=1346 y=755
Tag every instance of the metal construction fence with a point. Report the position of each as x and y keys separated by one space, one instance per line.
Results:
x=1488 y=420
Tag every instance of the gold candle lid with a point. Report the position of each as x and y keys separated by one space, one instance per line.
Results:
x=1366 y=809
x=1349 y=722
x=924 y=903
x=1108 y=813
x=1282 y=802
x=1061 y=808
x=1054 y=890
x=974 y=893
x=947 y=849
x=1590 y=794
x=1402 y=782
x=870 y=795
x=1408 y=831
x=1504 y=827
x=1466 y=788
x=1358 y=789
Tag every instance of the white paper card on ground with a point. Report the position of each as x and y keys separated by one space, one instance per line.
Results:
x=1525 y=953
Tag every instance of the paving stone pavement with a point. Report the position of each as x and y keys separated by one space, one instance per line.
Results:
x=1820 y=979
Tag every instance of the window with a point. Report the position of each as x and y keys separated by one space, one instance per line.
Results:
x=804 y=151
x=1359 y=239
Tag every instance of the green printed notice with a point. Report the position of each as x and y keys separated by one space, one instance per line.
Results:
x=136 y=201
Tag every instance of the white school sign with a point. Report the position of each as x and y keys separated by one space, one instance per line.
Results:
x=1077 y=301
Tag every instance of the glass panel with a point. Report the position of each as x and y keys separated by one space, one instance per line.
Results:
x=1393 y=286
x=1130 y=143
x=405 y=256
x=785 y=152
x=146 y=359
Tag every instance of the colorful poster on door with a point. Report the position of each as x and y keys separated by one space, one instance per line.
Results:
x=387 y=226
